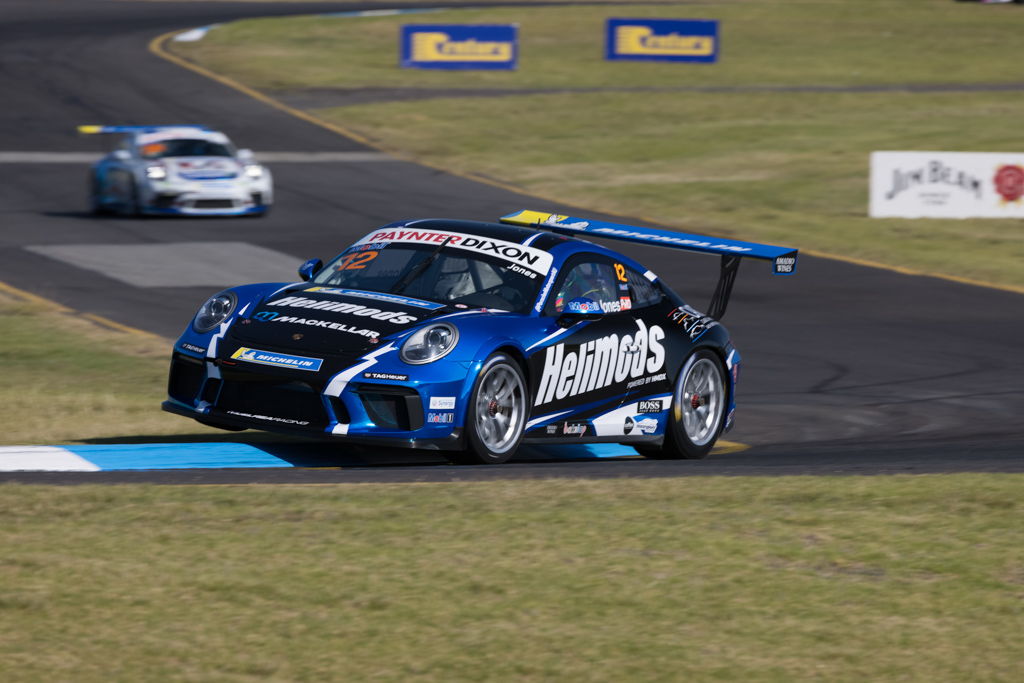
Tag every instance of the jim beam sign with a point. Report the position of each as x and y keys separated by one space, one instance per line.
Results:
x=947 y=185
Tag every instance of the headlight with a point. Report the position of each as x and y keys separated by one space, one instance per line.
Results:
x=156 y=172
x=215 y=311
x=254 y=171
x=429 y=344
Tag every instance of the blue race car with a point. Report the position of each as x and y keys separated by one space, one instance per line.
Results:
x=470 y=338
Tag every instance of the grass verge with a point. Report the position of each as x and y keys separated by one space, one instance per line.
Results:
x=774 y=579
x=68 y=380
x=788 y=167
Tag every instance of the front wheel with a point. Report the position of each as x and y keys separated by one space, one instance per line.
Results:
x=698 y=409
x=496 y=415
x=96 y=205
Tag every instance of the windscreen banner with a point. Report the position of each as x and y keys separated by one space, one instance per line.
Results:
x=947 y=185
x=459 y=46
x=662 y=40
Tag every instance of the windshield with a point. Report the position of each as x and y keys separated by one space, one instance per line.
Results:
x=450 y=276
x=184 y=148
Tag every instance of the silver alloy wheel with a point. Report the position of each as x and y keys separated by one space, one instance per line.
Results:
x=500 y=408
x=700 y=401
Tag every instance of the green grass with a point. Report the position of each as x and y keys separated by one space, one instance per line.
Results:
x=67 y=380
x=776 y=579
x=788 y=167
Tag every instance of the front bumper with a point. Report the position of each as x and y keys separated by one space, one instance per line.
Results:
x=239 y=394
x=189 y=205
x=218 y=198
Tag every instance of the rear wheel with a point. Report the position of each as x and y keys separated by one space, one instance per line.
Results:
x=698 y=410
x=496 y=414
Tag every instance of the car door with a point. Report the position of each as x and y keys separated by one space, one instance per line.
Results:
x=646 y=401
x=584 y=369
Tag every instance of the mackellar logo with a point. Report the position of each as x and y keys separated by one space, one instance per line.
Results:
x=600 y=363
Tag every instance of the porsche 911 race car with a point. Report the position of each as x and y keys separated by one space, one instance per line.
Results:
x=470 y=338
x=177 y=170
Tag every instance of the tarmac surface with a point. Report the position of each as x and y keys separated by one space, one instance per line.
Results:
x=847 y=369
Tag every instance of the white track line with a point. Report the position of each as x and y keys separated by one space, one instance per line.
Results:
x=42 y=459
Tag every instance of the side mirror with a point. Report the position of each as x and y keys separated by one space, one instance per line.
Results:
x=122 y=155
x=579 y=309
x=310 y=268
x=245 y=154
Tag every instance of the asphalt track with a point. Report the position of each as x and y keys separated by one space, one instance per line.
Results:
x=848 y=369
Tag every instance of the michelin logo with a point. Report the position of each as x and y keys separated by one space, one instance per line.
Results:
x=280 y=360
x=600 y=363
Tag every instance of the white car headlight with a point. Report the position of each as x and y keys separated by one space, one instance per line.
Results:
x=215 y=311
x=156 y=172
x=253 y=171
x=429 y=344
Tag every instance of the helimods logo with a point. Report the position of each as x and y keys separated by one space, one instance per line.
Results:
x=600 y=363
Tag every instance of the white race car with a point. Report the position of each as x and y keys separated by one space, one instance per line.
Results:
x=177 y=170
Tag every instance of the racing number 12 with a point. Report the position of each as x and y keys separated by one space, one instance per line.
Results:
x=356 y=261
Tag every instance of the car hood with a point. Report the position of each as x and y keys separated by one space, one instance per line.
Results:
x=332 y=319
x=202 y=168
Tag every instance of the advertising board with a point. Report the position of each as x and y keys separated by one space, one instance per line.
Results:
x=459 y=46
x=947 y=185
x=669 y=40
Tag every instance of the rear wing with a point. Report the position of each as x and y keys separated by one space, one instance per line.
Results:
x=732 y=251
x=92 y=129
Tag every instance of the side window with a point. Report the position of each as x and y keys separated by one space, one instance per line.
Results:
x=594 y=280
x=643 y=291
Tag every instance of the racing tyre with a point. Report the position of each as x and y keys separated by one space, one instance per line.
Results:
x=698 y=410
x=132 y=206
x=496 y=414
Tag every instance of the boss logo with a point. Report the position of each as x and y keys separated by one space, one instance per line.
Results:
x=649 y=406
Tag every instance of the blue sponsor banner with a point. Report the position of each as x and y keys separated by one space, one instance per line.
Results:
x=460 y=46
x=378 y=296
x=670 y=40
